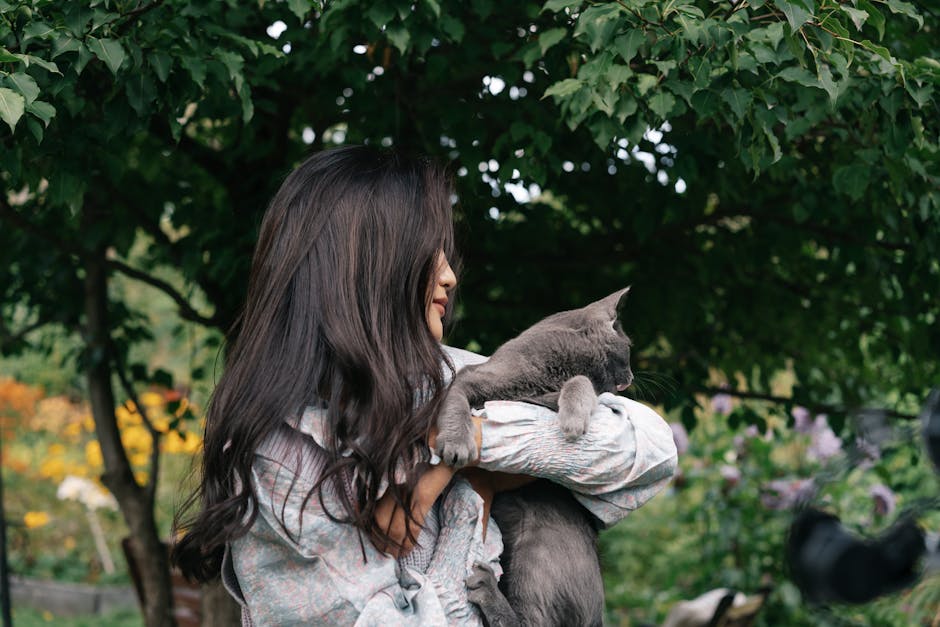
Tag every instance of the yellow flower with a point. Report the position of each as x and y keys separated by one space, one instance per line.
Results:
x=33 y=520
x=151 y=399
x=72 y=430
x=88 y=423
x=127 y=415
x=139 y=458
x=136 y=438
x=160 y=422
x=141 y=476
x=56 y=449
x=52 y=469
x=93 y=454
x=186 y=443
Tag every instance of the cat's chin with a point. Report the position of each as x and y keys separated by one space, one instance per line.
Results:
x=622 y=386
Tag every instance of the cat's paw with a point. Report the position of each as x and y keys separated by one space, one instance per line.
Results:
x=456 y=442
x=576 y=403
x=482 y=586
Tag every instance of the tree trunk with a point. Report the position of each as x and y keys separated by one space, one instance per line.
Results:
x=219 y=609
x=135 y=503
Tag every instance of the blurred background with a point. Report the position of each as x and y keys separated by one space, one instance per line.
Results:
x=763 y=173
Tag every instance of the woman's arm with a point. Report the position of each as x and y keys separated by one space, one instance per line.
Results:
x=431 y=484
x=625 y=457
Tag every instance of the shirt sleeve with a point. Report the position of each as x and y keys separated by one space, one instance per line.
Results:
x=626 y=456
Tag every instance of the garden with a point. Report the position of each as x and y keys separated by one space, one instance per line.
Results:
x=764 y=174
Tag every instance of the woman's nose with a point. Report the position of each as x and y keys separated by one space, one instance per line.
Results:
x=447 y=279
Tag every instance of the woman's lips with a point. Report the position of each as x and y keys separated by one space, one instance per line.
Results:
x=441 y=305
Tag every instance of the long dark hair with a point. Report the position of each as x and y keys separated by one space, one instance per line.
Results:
x=335 y=313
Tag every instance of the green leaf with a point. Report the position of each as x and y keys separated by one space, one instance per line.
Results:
x=559 y=5
x=662 y=104
x=598 y=23
x=161 y=63
x=435 y=7
x=738 y=99
x=453 y=27
x=645 y=82
x=7 y=57
x=12 y=106
x=851 y=180
x=61 y=45
x=551 y=37
x=875 y=17
x=563 y=88
x=380 y=13
x=25 y=84
x=626 y=107
x=796 y=12
x=141 y=93
x=42 y=110
x=629 y=43
x=399 y=36
x=37 y=30
x=29 y=59
x=84 y=56
x=825 y=80
x=35 y=128
x=797 y=74
x=857 y=16
x=300 y=8
x=108 y=50
x=196 y=68
x=905 y=8
x=881 y=51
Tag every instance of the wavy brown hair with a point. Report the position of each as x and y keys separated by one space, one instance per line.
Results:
x=335 y=312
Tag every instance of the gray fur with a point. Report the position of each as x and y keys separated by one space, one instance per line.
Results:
x=552 y=573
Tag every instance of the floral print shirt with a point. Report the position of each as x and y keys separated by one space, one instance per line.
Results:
x=296 y=566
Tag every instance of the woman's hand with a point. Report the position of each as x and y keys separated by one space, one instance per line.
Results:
x=392 y=519
x=432 y=482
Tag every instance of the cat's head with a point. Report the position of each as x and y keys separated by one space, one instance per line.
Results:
x=600 y=324
x=609 y=313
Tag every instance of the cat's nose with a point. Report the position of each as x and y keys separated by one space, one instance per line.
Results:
x=623 y=386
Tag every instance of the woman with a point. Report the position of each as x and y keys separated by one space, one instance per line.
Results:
x=318 y=501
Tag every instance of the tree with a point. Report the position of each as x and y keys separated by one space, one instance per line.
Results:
x=764 y=173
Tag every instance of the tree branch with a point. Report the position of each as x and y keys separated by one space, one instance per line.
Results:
x=151 y=488
x=13 y=216
x=8 y=339
x=186 y=311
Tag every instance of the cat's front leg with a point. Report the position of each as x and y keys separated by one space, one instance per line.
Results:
x=484 y=592
x=576 y=403
x=456 y=442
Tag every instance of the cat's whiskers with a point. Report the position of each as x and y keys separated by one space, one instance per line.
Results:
x=661 y=383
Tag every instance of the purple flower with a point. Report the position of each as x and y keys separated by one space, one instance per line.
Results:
x=801 y=420
x=785 y=493
x=884 y=499
x=823 y=441
x=680 y=436
x=731 y=474
x=721 y=404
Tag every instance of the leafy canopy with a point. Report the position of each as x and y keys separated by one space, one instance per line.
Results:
x=764 y=173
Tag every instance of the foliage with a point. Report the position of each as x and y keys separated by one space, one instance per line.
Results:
x=723 y=522
x=804 y=135
x=764 y=173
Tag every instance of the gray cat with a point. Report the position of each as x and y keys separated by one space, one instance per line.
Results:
x=552 y=572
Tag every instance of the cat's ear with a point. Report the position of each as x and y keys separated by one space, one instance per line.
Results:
x=613 y=305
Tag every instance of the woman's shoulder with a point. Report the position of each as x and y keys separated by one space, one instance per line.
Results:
x=459 y=357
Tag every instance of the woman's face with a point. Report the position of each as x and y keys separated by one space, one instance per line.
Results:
x=442 y=284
